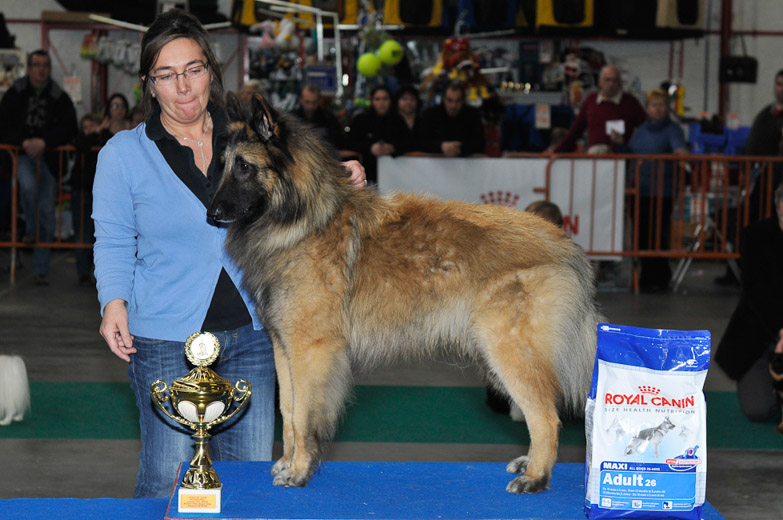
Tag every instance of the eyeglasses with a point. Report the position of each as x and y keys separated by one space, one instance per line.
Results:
x=194 y=72
x=117 y=106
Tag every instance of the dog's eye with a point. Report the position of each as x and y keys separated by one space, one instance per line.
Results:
x=243 y=167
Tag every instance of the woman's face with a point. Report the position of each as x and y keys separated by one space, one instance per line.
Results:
x=117 y=109
x=185 y=100
x=657 y=109
x=407 y=104
x=381 y=102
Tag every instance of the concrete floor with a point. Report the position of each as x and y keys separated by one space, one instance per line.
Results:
x=55 y=329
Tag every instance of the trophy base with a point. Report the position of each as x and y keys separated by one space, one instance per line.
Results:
x=199 y=500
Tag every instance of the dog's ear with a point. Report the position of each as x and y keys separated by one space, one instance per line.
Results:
x=263 y=122
x=234 y=108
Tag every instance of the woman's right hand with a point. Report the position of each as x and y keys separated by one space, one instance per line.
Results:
x=114 y=329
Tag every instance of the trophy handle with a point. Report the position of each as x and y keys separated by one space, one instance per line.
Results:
x=159 y=391
x=240 y=393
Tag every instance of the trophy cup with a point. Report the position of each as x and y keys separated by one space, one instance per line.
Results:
x=201 y=399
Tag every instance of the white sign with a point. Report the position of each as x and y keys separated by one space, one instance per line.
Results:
x=543 y=116
x=73 y=86
x=615 y=125
x=590 y=195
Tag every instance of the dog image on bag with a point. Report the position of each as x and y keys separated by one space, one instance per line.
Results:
x=346 y=280
x=652 y=436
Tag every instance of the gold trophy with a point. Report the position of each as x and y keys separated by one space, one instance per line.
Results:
x=201 y=400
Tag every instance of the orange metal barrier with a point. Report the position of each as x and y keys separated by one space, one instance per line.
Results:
x=62 y=211
x=698 y=213
x=711 y=195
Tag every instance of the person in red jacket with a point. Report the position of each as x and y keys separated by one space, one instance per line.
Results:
x=608 y=111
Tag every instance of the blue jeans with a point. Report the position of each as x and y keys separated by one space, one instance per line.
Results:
x=244 y=354
x=37 y=195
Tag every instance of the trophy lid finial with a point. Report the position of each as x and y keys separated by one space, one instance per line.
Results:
x=202 y=348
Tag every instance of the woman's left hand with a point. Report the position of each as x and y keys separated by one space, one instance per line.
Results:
x=357 y=176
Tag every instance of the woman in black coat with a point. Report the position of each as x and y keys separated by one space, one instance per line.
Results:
x=757 y=321
x=408 y=106
x=378 y=131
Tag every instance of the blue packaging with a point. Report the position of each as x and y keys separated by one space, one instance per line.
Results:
x=645 y=423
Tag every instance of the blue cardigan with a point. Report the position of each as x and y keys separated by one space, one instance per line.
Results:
x=154 y=247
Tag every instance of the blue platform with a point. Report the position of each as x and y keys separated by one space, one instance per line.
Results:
x=350 y=490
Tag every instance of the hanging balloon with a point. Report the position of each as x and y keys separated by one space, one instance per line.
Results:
x=391 y=52
x=368 y=65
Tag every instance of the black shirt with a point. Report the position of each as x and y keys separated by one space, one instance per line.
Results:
x=438 y=126
x=765 y=134
x=368 y=128
x=327 y=125
x=227 y=310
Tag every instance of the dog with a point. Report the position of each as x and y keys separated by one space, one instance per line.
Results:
x=346 y=279
x=652 y=436
x=14 y=389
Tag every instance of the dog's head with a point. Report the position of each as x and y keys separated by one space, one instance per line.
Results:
x=257 y=166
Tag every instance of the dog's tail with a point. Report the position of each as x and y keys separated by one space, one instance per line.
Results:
x=575 y=354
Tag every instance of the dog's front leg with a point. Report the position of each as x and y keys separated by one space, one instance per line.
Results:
x=283 y=368
x=319 y=382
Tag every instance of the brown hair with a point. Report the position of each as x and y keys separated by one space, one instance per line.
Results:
x=546 y=210
x=167 y=27
x=312 y=88
x=656 y=93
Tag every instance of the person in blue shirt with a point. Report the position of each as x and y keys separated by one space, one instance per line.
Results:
x=659 y=134
x=161 y=266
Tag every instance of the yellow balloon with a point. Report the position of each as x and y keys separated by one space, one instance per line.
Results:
x=391 y=52
x=368 y=65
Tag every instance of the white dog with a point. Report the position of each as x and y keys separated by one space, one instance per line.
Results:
x=14 y=390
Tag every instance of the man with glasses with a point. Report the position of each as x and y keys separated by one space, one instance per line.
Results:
x=37 y=115
x=609 y=115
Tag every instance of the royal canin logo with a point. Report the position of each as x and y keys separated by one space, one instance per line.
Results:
x=648 y=396
x=500 y=198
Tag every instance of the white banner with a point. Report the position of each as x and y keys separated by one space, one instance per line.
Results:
x=590 y=195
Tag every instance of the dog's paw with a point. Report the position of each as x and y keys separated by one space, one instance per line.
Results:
x=287 y=479
x=527 y=485
x=280 y=466
x=518 y=465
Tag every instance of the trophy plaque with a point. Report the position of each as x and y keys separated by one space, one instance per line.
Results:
x=200 y=400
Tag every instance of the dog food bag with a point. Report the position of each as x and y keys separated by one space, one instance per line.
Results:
x=645 y=422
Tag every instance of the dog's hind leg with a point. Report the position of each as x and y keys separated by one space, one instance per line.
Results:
x=543 y=424
x=320 y=382
x=517 y=350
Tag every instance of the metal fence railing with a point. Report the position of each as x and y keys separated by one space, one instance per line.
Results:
x=682 y=207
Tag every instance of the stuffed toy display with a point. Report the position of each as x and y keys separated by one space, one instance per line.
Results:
x=456 y=63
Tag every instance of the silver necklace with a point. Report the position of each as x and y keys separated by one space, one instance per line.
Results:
x=200 y=142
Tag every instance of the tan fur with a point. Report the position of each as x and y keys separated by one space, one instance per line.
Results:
x=355 y=280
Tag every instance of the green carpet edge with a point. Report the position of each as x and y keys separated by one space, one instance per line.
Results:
x=405 y=414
